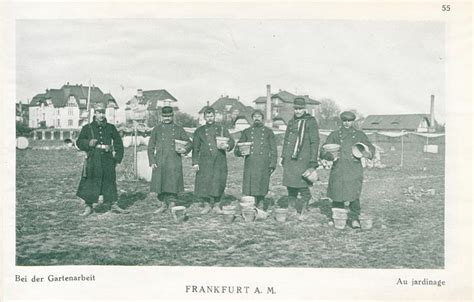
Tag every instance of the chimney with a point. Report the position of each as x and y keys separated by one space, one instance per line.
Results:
x=432 y=119
x=268 y=108
x=139 y=92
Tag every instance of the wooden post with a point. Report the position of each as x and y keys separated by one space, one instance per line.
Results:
x=35 y=135
x=401 y=161
x=135 y=156
x=52 y=134
x=61 y=135
x=43 y=136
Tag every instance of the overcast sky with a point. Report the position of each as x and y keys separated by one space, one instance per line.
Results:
x=372 y=66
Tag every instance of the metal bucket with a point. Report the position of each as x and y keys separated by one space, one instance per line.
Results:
x=366 y=222
x=339 y=213
x=334 y=149
x=229 y=215
x=245 y=147
x=249 y=214
x=179 y=213
x=247 y=199
x=261 y=214
x=281 y=214
x=339 y=224
x=179 y=145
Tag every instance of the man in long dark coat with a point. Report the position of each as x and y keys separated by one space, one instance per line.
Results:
x=100 y=140
x=346 y=176
x=210 y=161
x=300 y=155
x=261 y=161
x=165 y=159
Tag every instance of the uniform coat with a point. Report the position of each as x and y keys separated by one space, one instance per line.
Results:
x=211 y=178
x=307 y=157
x=168 y=176
x=346 y=176
x=262 y=158
x=100 y=176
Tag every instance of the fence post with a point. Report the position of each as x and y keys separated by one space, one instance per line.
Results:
x=401 y=161
x=135 y=157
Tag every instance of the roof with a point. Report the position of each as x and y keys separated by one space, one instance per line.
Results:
x=221 y=105
x=59 y=97
x=394 y=121
x=287 y=97
x=151 y=97
x=224 y=101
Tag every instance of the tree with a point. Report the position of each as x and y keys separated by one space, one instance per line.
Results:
x=185 y=120
x=22 y=129
x=359 y=118
x=329 y=114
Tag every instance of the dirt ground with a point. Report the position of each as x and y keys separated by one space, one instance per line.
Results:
x=406 y=203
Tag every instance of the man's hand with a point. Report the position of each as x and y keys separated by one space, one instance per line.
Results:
x=244 y=152
x=308 y=172
x=223 y=146
x=366 y=154
x=154 y=166
x=195 y=168
x=92 y=142
x=107 y=148
x=181 y=150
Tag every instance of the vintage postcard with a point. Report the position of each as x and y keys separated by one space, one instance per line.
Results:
x=252 y=150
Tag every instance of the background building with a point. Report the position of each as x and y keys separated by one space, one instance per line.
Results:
x=230 y=111
x=67 y=107
x=146 y=105
x=282 y=106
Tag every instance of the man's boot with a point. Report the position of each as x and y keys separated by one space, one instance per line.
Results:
x=207 y=209
x=163 y=207
x=116 y=209
x=217 y=209
x=87 y=211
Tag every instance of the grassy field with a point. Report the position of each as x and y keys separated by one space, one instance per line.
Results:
x=408 y=221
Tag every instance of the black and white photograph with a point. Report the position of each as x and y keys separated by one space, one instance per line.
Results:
x=189 y=143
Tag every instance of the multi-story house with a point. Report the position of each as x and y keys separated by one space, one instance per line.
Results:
x=147 y=104
x=230 y=111
x=66 y=107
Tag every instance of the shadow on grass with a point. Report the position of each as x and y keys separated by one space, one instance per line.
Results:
x=324 y=205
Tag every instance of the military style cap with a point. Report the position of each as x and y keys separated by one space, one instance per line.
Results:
x=99 y=106
x=258 y=111
x=299 y=103
x=209 y=109
x=167 y=111
x=347 y=116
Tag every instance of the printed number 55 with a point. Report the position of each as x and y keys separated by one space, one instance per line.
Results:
x=445 y=8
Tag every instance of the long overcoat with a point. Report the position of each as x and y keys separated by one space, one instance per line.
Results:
x=100 y=177
x=307 y=157
x=211 y=178
x=168 y=176
x=346 y=176
x=262 y=158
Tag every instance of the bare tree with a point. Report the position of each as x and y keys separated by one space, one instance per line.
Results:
x=359 y=118
x=329 y=113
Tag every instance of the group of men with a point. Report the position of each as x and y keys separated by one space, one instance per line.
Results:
x=210 y=144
